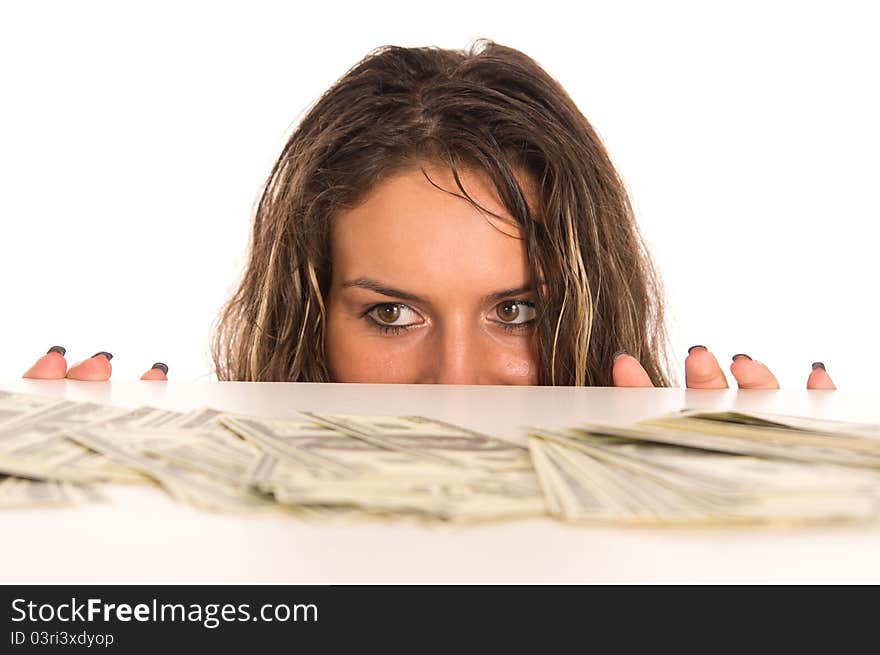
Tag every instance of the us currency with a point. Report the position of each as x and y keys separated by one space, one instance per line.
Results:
x=200 y=460
x=326 y=473
x=684 y=469
x=22 y=492
x=742 y=439
x=209 y=467
x=468 y=499
x=196 y=440
x=826 y=427
x=590 y=491
x=18 y=411
x=430 y=439
x=325 y=450
x=192 y=455
x=314 y=460
x=186 y=483
x=14 y=405
x=33 y=444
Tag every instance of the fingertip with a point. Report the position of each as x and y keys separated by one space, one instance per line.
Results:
x=51 y=366
x=752 y=374
x=743 y=363
x=702 y=371
x=819 y=378
x=159 y=371
x=94 y=369
x=628 y=371
x=153 y=374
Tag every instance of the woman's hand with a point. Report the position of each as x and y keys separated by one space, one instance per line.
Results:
x=703 y=372
x=53 y=366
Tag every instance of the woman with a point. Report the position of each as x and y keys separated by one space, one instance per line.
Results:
x=444 y=216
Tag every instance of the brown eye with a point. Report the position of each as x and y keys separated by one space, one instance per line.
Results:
x=515 y=314
x=388 y=313
x=507 y=311
x=392 y=316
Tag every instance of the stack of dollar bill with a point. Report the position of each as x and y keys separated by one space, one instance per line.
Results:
x=711 y=467
x=317 y=466
x=689 y=467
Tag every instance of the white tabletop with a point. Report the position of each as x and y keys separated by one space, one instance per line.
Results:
x=142 y=536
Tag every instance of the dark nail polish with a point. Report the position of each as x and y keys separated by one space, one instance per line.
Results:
x=162 y=367
x=692 y=347
x=106 y=354
x=61 y=350
x=818 y=365
x=618 y=354
x=740 y=355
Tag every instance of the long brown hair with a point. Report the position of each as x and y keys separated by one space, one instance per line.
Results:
x=490 y=107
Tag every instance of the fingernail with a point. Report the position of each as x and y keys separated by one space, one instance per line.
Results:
x=740 y=355
x=818 y=365
x=618 y=354
x=106 y=354
x=692 y=347
x=61 y=350
x=162 y=367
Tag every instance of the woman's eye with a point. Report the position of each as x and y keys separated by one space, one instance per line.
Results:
x=393 y=318
x=389 y=314
x=515 y=312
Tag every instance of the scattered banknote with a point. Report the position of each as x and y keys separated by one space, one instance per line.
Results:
x=15 y=405
x=24 y=492
x=689 y=467
x=697 y=467
x=418 y=465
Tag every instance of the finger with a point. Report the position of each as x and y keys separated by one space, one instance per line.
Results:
x=628 y=372
x=51 y=366
x=819 y=378
x=752 y=374
x=158 y=372
x=94 y=369
x=701 y=370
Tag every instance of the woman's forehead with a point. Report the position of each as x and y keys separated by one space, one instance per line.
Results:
x=421 y=181
x=409 y=229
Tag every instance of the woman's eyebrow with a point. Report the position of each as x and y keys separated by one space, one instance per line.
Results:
x=391 y=292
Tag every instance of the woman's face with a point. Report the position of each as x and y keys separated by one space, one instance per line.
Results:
x=426 y=290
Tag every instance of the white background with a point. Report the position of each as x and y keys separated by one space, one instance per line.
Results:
x=134 y=142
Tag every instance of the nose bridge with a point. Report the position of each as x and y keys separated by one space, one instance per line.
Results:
x=459 y=359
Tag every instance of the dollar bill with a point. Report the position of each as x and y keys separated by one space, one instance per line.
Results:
x=431 y=439
x=596 y=476
x=182 y=482
x=308 y=461
x=16 y=405
x=18 y=492
x=34 y=444
x=745 y=440
x=684 y=468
